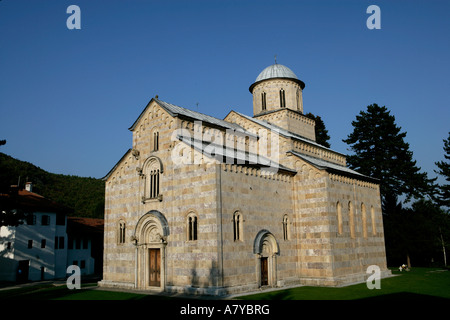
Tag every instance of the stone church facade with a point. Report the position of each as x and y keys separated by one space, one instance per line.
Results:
x=208 y=206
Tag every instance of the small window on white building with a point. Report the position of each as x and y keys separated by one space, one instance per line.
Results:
x=45 y=220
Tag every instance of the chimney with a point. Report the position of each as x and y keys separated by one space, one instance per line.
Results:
x=29 y=186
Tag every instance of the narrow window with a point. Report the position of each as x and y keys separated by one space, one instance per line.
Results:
x=282 y=99
x=43 y=243
x=30 y=244
x=372 y=214
x=155 y=141
x=351 y=215
x=31 y=219
x=263 y=101
x=45 y=220
x=192 y=227
x=285 y=227
x=237 y=226
x=154 y=184
x=121 y=232
x=339 y=216
x=195 y=228
x=364 y=219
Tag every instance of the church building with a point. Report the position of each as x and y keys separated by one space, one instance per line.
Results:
x=203 y=205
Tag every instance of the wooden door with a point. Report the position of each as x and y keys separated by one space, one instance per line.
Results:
x=264 y=271
x=154 y=267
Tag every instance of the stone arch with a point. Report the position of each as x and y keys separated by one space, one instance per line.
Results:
x=265 y=237
x=266 y=249
x=150 y=237
x=151 y=222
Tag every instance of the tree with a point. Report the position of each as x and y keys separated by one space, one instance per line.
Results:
x=322 y=136
x=443 y=197
x=11 y=214
x=380 y=151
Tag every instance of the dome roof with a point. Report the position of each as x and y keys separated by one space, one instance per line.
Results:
x=277 y=71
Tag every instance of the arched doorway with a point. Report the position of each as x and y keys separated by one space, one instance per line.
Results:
x=150 y=238
x=266 y=249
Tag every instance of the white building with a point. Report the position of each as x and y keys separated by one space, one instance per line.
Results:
x=38 y=249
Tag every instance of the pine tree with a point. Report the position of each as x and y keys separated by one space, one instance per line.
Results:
x=322 y=136
x=380 y=151
x=443 y=197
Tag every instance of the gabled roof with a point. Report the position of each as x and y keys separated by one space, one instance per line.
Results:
x=333 y=167
x=285 y=132
x=177 y=111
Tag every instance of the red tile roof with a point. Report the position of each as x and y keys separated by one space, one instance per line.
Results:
x=33 y=202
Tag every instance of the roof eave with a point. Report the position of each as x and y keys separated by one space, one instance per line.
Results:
x=300 y=82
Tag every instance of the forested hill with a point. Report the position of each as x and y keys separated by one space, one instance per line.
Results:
x=86 y=196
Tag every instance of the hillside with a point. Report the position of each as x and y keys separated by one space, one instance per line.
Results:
x=86 y=196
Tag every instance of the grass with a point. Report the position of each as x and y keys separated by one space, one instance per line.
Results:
x=419 y=283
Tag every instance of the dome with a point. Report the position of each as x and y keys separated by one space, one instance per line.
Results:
x=277 y=71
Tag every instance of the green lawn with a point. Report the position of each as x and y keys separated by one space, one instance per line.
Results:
x=419 y=283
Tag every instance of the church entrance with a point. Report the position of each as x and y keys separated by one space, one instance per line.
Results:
x=264 y=272
x=266 y=249
x=154 y=267
x=150 y=238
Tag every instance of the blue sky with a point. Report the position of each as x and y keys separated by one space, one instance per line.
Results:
x=68 y=97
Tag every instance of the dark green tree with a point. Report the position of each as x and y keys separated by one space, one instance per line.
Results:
x=380 y=151
x=443 y=197
x=322 y=136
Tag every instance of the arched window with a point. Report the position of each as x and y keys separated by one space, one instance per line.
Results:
x=282 y=99
x=351 y=218
x=263 y=101
x=339 y=216
x=192 y=226
x=237 y=226
x=364 y=219
x=286 y=235
x=152 y=173
x=121 y=232
x=155 y=141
